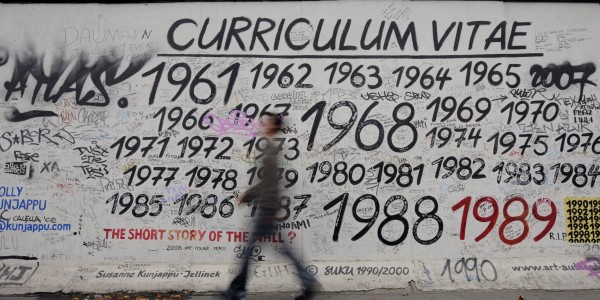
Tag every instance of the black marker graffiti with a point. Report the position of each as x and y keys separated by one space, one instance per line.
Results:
x=15 y=116
x=17 y=270
x=27 y=63
x=552 y=76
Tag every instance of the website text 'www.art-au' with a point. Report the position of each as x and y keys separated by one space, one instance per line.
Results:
x=591 y=264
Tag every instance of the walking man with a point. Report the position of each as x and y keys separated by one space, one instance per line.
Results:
x=267 y=192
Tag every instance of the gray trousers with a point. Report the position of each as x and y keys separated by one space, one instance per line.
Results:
x=263 y=226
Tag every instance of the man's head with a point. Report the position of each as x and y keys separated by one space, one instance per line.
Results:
x=271 y=123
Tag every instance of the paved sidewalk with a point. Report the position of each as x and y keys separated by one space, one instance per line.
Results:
x=369 y=295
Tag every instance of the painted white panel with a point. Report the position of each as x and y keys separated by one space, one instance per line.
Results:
x=460 y=138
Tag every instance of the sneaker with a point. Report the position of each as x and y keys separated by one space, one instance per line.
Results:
x=233 y=295
x=309 y=292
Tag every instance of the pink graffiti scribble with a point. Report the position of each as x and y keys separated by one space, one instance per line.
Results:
x=591 y=264
x=236 y=123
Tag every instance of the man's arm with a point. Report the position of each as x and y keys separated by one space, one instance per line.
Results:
x=270 y=174
x=250 y=193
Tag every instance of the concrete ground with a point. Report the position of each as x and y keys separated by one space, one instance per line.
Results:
x=369 y=295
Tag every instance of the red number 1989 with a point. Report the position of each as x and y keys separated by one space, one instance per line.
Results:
x=492 y=218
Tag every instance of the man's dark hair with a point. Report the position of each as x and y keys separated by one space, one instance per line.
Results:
x=277 y=119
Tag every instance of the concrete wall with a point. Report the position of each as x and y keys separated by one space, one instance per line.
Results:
x=127 y=135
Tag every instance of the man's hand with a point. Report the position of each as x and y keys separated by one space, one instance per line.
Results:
x=241 y=199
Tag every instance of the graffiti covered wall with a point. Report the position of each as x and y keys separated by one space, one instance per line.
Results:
x=451 y=145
